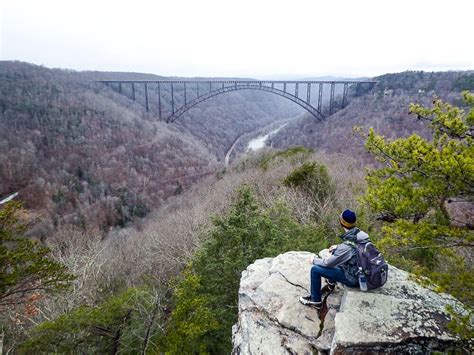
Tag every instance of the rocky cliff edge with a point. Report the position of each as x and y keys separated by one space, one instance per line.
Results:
x=401 y=317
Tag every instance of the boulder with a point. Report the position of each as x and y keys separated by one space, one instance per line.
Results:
x=401 y=317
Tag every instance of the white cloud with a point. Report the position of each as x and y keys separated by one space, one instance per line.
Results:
x=245 y=38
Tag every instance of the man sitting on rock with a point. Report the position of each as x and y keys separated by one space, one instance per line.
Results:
x=339 y=266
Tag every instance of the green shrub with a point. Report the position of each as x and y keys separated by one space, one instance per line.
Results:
x=294 y=154
x=311 y=178
x=210 y=286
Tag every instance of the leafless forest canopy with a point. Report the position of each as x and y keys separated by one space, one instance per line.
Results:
x=80 y=153
x=124 y=200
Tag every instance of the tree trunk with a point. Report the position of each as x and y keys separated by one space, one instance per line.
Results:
x=150 y=325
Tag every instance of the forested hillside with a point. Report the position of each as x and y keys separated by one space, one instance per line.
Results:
x=385 y=108
x=80 y=153
x=171 y=285
x=128 y=285
x=87 y=161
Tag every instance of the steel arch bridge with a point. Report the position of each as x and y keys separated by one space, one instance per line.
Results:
x=193 y=92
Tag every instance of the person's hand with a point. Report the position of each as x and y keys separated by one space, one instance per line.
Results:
x=332 y=248
x=310 y=259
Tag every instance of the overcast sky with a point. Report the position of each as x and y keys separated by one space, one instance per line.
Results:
x=252 y=38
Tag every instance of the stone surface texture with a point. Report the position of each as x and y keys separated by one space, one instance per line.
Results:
x=401 y=317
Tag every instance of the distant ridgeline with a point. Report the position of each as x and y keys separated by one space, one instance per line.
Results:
x=384 y=108
x=419 y=82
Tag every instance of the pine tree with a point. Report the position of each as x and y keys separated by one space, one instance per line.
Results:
x=206 y=299
x=424 y=192
x=25 y=266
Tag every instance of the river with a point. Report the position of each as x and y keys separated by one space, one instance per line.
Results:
x=261 y=141
x=253 y=145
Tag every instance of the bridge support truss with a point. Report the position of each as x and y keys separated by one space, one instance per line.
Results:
x=175 y=97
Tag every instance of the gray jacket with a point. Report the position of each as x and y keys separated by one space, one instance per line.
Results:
x=345 y=254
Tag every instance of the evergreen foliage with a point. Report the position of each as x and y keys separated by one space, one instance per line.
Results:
x=120 y=324
x=311 y=178
x=192 y=320
x=291 y=154
x=414 y=193
x=25 y=266
x=210 y=287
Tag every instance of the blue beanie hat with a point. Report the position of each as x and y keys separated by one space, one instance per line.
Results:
x=348 y=219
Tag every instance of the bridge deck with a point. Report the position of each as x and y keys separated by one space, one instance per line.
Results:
x=215 y=87
x=291 y=82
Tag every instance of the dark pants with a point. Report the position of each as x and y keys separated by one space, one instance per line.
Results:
x=333 y=274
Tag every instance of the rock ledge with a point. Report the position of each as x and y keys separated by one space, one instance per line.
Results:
x=401 y=317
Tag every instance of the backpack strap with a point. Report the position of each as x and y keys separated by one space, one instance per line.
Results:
x=366 y=245
x=352 y=244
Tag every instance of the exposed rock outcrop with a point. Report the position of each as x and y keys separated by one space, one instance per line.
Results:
x=401 y=317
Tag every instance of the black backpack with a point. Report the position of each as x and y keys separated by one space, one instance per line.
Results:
x=373 y=265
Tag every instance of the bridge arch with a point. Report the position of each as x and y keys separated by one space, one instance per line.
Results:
x=233 y=85
x=183 y=109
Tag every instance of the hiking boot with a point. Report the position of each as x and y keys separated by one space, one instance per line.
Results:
x=306 y=300
x=328 y=288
